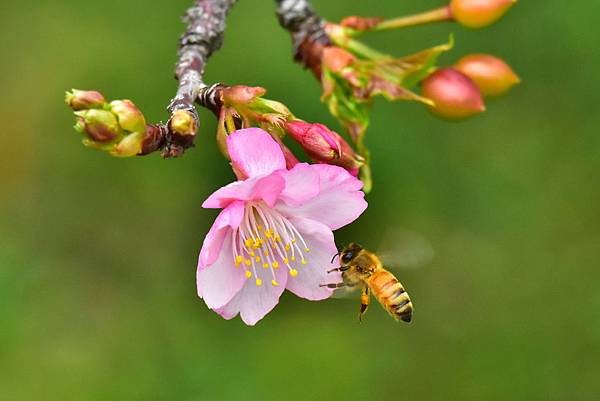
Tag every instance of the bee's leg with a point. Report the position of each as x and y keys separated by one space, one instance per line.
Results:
x=364 y=302
x=333 y=285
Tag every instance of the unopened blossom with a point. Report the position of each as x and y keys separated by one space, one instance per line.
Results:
x=275 y=229
x=324 y=145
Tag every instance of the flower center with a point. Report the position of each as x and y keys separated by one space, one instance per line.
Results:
x=267 y=239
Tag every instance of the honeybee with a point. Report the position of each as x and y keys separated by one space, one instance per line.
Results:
x=360 y=267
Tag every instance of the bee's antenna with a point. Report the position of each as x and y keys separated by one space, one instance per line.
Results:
x=334 y=256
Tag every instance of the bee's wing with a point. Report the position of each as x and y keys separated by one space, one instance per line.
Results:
x=405 y=249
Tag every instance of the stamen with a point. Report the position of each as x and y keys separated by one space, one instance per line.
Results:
x=269 y=239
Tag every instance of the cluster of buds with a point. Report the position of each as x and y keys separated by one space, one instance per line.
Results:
x=352 y=73
x=118 y=127
x=244 y=107
x=457 y=92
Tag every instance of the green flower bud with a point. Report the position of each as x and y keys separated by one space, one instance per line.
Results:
x=130 y=117
x=81 y=100
x=99 y=125
x=479 y=13
x=456 y=97
x=492 y=75
x=130 y=145
x=183 y=123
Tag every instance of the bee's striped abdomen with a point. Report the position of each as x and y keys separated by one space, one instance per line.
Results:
x=392 y=295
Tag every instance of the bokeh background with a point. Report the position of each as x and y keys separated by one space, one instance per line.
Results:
x=98 y=255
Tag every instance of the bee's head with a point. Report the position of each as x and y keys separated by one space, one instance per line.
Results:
x=349 y=253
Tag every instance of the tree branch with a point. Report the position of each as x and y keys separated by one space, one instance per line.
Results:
x=308 y=32
x=204 y=35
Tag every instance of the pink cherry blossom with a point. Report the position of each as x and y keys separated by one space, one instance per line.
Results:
x=275 y=229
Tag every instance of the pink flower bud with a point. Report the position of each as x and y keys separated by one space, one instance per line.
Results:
x=324 y=145
x=81 y=100
x=492 y=75
x=99 y=125
x=240 y=94
x=130 y=117
x=479 y=13
x=455 y=96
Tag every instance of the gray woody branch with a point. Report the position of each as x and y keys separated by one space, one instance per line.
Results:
x=204 y=35
x=307 y=29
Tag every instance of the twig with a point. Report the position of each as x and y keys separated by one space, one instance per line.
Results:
x=203 y=36
x=308 y=32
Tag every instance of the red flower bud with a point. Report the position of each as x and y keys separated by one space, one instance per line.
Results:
x=324 y=145
x=455 y=96
x=99 y=125
x=81 y=100
x=492 y=75
x=479 y=13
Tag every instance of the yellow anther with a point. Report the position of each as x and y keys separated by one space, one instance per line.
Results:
x=303 y=261
x=286 y=261
x=306 y=250
x=265 y=265
x=293 y=272
x=276 y=265
x=248 y=273
x=293 y=240
x=247 y=262
x=239 y=259
x=248 y=242
x=293 y=258
x=259 y=227
x=277 y=238
x=287 y=246
x=268 y=233
x=257 y=258
x=258 y=282
x=251 y=254
x=275 y=283
x=266 y=253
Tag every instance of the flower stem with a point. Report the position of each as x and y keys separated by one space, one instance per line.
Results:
x=362 y=50
x=437 y=15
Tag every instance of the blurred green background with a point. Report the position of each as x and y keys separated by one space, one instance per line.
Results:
x=98 y=255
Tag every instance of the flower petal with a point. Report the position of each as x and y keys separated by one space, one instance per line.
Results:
x=319 y=239
x=338 y=203
x=253 y=152
x=267 y=188
x=229 y=218
x=301 y=184
x=254 y=302
x=221 y=281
